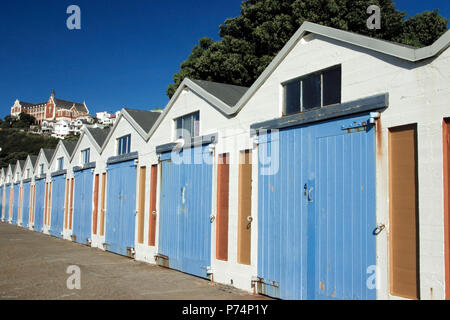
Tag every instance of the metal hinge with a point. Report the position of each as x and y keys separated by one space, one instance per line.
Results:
x=354 y=125
x=209 y=270
x=255 y=141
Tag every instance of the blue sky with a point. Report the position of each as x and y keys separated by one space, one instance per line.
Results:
x=125 y=54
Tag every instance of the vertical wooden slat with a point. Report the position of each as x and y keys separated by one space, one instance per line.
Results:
x=141 y=205
x=71 y=202
x=20 y=204
x=30 y=207
x=11 y=202
x=103 y=202
x=66 y=203
x=49 y=207
x=45 y=203
x=245 y=207
x=223 y=174
x=3 y=213
x=446 y=149
x=95 y=213
x=403 y=201
x=33 y=212
x=152 y=214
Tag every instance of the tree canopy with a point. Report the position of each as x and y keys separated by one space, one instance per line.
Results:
x=250 y=42
x=23 y=121
x=16 y=145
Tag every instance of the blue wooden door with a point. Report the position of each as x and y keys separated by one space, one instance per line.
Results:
x=26 y=205
x=1 y=203
x=57 y=209
x=345 y=212
x=317 y=211
x=82 y=208
x=8 y=203
x=185 y=210
x=39 y=205
x=15 y=216
x=121 y=207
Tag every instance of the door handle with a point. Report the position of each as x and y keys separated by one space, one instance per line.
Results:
x=379 y=229
x=309 y=194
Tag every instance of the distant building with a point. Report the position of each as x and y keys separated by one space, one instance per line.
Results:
x=106 y=118
x=53 y=110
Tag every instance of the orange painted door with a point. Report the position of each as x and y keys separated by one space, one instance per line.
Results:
x=95 y=210
x=223 y=174
x=152 y=216
x=403 y=202
x=245 y=207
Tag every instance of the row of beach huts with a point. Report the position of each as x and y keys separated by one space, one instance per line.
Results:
x=327 y=179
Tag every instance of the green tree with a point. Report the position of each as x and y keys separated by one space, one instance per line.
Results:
x=250 y=41
x=27 y=119
x=17 y=145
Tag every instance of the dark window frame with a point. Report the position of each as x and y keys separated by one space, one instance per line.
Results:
x=60 y=163
x=85 y=152
x=301 y=81
x=192 y=124
x=124 y=148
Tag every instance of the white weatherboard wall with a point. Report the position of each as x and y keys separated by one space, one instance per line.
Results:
x=211 y=121
x=123 y=128
x=17 y=178
x=37 y=174
x=84 y=143
x=60 y=151
x=28 y=166
x=418 y=93
x=232 y=138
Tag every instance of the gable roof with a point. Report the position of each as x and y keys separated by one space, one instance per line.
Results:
x=33 y=160
x=393 y=49
x=230 y=94
x=145 y=119
x=70 y=146
x=141 y=120
x=10 y=169
x=98 y=135
x=224 y=98
x=48 y=153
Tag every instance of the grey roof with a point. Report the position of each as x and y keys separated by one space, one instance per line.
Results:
x=48 y=153
x=99 y=134
x=70 y=146
x=230 y=94
x=22 y=163
x=26 y=105
x=145 y=119
x=69 y=104
x=33 y=160
x=214 y=95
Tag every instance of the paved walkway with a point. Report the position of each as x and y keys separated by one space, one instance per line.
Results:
x=34 y=265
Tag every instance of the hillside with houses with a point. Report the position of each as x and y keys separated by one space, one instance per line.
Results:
x=56 y=117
